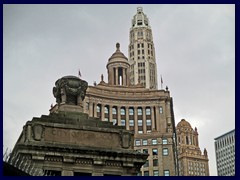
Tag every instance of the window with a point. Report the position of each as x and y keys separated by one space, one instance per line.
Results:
x=165 y=151
x=145 y=151
x=160 y=110
x=155 y=173
x=105 y=119
x=114 y=110
x=164 y=141
x=123 y=122
x=166 y=173
x=131 y=111
x=122 y=111
x=144 y=142
x=155 y=162
x=138 y=52
x=154 y=141
x=98 y=108
x=146 y=164
x=139 y=122
x=138 y=45
x=148 y=111
x=142 y=45
x=114 y=121
x=106 y=110
x=154 y=152
x=149 y=122
x=137 y=142
x=140 y=132
x=139 y=111
x=146 y=173
x=131 y=122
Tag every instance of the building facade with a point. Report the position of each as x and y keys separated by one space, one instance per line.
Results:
x=146 y=112
x=191 y=161
x=143 y=67
x=225 y=154
x=68 y=142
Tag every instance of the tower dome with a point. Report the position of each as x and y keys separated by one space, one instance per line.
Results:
x=118 y=68
x=117 y=56
x=183 y=123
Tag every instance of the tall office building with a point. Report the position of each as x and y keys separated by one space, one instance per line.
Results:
x=147 y=112
x=143 y=67
x=225 y=154
x=191 y=161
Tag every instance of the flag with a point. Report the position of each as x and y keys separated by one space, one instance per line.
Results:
x=79 y=73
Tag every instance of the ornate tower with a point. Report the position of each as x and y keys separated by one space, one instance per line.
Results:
x=118 y=68
x=190 y=158
x=143 y=67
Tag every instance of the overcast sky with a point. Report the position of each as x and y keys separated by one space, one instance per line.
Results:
x=195 y=53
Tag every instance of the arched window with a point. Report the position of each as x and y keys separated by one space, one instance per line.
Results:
x=123 y=112
x=139 y=111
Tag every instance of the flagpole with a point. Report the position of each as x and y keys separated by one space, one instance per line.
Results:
x=161 y=82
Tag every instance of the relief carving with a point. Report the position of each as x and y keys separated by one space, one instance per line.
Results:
x=37 y=131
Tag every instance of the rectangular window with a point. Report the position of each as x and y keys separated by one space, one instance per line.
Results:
x=144 y=142
x=140 y=132
x=154 y=141
x=131 y=122
x=139 y=122
x=139 y=111
x=123 y=122
x=145 y=151
x=122 y=111
x=131 y=111
x=138 y=45
x=164 y=141
x=155 y=173
x=165 y=151
x=142 y=51
x=154 y=152
x=138 y=52
x=149 y=122
x=146 y=173
x=155 y=162
x=166 y=173
x=137 y=142
x=148 y=111
x=114 y=111
x=160 y=110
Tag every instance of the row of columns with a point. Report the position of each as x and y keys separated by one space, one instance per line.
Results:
x=191 y=138
x=114 y=76
x=155 y=116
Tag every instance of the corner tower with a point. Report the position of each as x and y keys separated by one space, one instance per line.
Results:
x=191 y=160
x=143 y=67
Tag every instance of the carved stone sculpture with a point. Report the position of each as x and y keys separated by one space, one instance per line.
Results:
x=70 y=90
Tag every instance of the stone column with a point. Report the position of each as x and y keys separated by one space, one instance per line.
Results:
x=124 y=76
x=127 y=117
x=95 y=110
x=168 y=112
x=103 y=112
x=117 y=83
x=135 y=120
x=144 y=120
x=157 y=118
x=152 y=118
x=90 y=109
x=119 y=115
x=110 y=113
